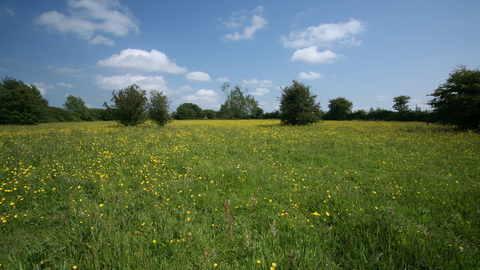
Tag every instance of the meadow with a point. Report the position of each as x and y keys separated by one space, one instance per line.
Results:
x=246 y=194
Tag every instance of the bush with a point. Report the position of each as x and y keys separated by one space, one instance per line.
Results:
x=22 y=104
x=457 y=101
x=158 y=108
x=298 y=106
x=130 y=106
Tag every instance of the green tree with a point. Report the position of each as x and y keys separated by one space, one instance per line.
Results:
x=21 y=104
x=158 y=108
x=188 y=111
x=77 y=105
x=237 y=105
x=339 y=109
x=298 y=106
x=457 y=101
x=401 y=104
x=210 y=114
x=130 y=105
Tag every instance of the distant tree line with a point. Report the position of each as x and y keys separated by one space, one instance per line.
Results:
x=456 y=102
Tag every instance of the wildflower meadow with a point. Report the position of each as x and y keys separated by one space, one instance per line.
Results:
x=239 y=194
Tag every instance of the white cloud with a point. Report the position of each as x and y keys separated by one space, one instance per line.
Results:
x=310 y=75
x=260 y=91
x=99 y=39
x=222 y=80
x=256 y=81
x=88 y=17
x=198 y=76
x=311 y=55
x=120 y=82
x=255 y=23
x=43 y=87
x=325 y=35
x=68 y=85
x=134 y=60
x=203 y=98
x=74 y=72
x=4 y=69
x=5 y=11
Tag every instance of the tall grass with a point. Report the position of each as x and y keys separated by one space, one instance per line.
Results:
x=239 y=195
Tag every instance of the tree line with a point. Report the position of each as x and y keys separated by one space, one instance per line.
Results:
x=455 y=102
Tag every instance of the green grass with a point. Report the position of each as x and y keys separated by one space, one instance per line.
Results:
x=239 y=195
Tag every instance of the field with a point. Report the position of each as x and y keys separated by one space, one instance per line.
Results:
x=246 y=194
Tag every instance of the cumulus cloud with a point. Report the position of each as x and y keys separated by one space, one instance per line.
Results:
x=43 y=87
x=222 y=80
x=86 y=18
x=120 y=82
x=325 y=35
x=250 y=24
x=198 y=76
x=5 y=11
x=310 y=75
x=260 y=91
x=311 y=55
x=68 y=85
x=134 y=60
x=203 y=98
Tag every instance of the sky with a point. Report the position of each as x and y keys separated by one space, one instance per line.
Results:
x=367 y=51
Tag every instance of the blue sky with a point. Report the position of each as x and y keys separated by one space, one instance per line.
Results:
x=365 y=51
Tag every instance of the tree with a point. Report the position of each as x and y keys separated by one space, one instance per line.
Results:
x=158 y=108
x=237 y=105
x=457 y=101
x=130 y=105
x=77 y=105
x=401 y=104
x=21 y=104
x=210 y=114
x=298 y=106
x=339 y=109
x=188 y=111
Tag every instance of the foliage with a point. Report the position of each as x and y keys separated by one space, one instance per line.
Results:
x=77 y=105
x=272 y=115
x=457 y=101
x=339 y=108
x=298 y=106
x=239 y=194
x=237 y=105
x=401 y=104
x=158 y=108
x=22 y=104
x=188 y=111
x=209 y=114
x=54 y=115
x=130 y=105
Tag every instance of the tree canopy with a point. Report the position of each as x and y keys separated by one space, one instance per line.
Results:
x=298 y=106
x=158 y=108
x=339 y=109
x=457 y=101
x=21 y=104
x=188 y=111
x=401 y=104
x=237 y=105
x=77 y=105
x=130 y=105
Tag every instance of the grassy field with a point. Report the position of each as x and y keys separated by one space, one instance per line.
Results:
x=239 y=195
